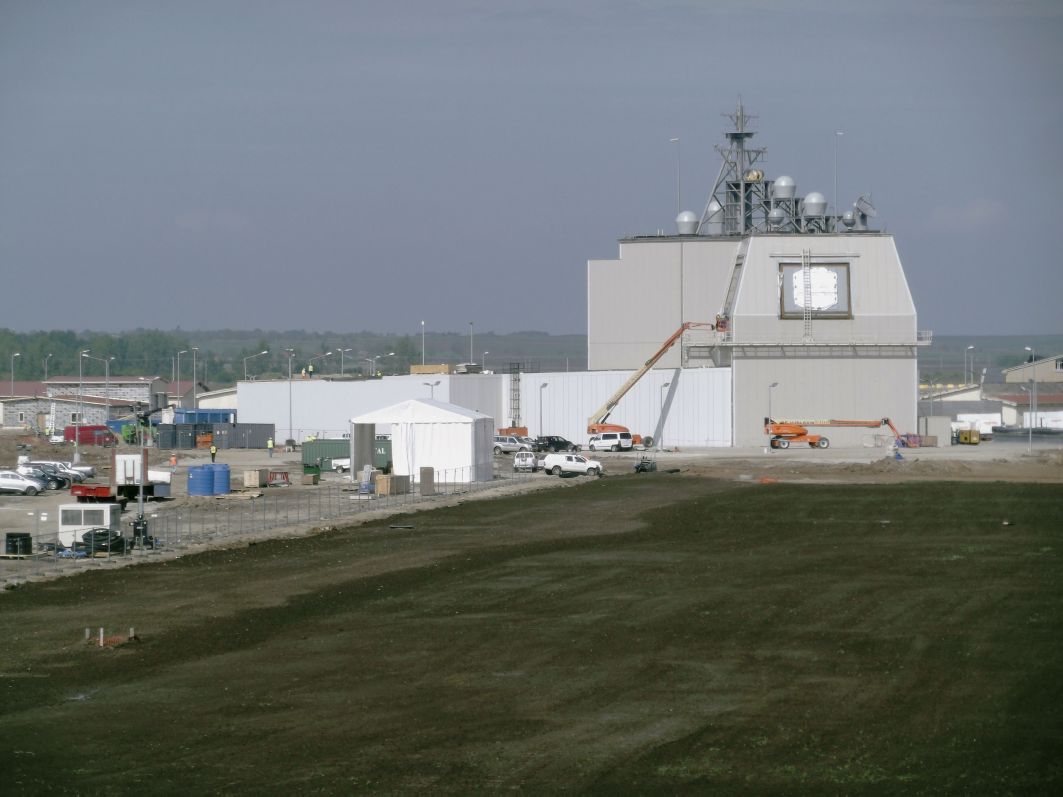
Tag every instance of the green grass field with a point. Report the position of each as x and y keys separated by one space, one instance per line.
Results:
x=633 y=634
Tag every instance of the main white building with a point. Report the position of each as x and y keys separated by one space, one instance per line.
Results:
x=812 y=312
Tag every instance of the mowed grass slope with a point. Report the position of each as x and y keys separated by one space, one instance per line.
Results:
x=632 y=634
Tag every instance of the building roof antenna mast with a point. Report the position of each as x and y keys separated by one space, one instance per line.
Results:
x=731 y=205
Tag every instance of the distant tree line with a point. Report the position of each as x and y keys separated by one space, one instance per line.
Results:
x=222 y=355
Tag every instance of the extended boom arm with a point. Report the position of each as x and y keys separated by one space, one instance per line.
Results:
x=603 y=412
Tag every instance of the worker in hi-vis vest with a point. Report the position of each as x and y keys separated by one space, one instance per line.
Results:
x=269 y=447
x=213 y=451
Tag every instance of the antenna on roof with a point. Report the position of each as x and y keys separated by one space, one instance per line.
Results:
x=737 y=181
x=863 y=210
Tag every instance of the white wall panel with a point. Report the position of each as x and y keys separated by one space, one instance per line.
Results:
x=696 y=405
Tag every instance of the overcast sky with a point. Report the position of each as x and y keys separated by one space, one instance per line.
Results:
x=366 y=165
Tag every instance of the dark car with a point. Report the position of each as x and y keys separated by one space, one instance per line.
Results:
x=51 y=481
x=53 y=473
x=554 y=443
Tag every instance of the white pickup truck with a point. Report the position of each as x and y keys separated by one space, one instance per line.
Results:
x=559 y=464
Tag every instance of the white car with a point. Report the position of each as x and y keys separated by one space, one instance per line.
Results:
x=610 y=441
x=507 y=444
x=557 y=464
x=526 y=460
x=11 y=482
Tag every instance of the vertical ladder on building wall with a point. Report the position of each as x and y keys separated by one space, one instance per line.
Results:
x=514 y=394
x=806 y=278
x=736 y=277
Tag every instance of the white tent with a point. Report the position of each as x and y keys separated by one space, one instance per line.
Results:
x=455 y=441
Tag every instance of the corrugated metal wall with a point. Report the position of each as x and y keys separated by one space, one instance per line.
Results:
x=693 y=410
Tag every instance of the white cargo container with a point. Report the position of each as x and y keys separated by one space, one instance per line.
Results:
x=75 y=519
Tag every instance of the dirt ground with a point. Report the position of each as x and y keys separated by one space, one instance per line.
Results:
x=659 y=632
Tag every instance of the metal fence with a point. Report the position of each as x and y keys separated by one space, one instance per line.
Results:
x=204 y=522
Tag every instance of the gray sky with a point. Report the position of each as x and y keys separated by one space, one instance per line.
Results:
x=366 y=165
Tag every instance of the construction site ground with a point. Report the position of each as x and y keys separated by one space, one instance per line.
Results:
x=800 y=620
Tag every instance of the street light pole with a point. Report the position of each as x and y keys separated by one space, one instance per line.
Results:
x=47 y=357
x=470 y=343
x=372 y=361
x=1029 y=429
x=965 y=379
x=342 y=352
x=194 y=350
x=13 y=356
x=290 y=353
x=310 y=362
x=180 y=397
x=678 y=176
x=422 y=342
x=541 y=387
x=106 y=379
x=660 y=437
x=77 y=423
x=1033 y=390
x=251 y=357
x=770 y=388
x=837 y=134
x=431 y=387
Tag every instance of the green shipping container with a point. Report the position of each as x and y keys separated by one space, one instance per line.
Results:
x=321 y=452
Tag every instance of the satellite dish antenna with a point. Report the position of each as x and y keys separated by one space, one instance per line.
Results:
x=864 y=210
x=863 y=205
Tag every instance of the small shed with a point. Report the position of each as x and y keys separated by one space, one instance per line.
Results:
x=456 y=442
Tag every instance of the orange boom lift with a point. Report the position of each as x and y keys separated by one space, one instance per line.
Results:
x=596 y=424
x=783 y=433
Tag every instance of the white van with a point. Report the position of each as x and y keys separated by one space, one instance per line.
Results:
x=610 y=441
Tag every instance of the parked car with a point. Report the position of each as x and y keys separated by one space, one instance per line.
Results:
x=553 y=442
x=508 y=444
x=74 y=474
x=560 y=464
x=51 y=481
x=610 y=441
x=53 y=471
x=88 y=470
x=526 y=460
x=12 y=482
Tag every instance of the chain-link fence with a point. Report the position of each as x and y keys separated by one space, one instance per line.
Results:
x=198 y=523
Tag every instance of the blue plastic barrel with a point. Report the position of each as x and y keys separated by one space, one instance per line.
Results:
x=201 y=480
x=221 y=479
